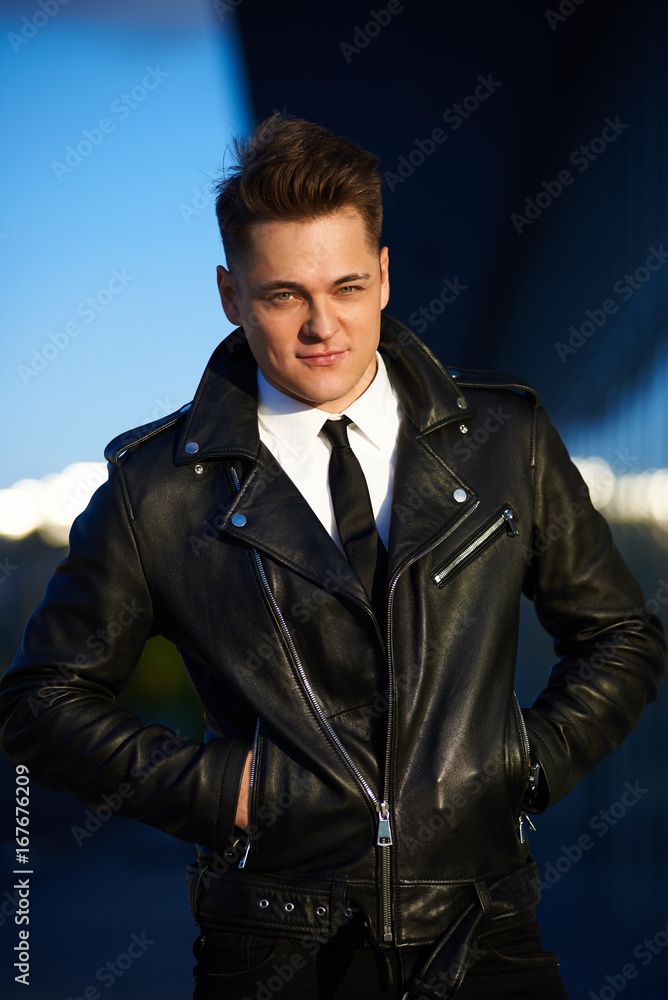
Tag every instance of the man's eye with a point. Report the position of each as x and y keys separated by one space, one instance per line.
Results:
x=348 y=288
x=283 y=296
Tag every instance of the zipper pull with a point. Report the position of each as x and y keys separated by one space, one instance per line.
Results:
x=509 y=515
x=525 y=816
x=384 y=832
x=242 y=863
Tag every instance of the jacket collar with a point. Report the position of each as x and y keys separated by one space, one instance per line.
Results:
x=222 y=420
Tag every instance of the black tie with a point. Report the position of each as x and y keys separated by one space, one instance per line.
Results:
x=354 y=515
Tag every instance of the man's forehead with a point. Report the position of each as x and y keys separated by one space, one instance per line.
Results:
x=324 y=226
x=330 y=246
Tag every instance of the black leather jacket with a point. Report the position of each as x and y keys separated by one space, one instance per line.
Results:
x=391 y=757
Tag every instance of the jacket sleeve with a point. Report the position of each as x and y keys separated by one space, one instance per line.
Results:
x=58 y=713
x=610 y=647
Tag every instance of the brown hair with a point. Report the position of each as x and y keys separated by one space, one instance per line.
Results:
x=294 y=170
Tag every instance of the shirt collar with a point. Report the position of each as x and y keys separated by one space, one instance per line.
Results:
x=297 y=425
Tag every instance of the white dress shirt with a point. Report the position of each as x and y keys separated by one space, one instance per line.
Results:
x=291 y=432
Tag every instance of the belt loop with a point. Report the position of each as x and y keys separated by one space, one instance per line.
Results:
x=338 y=915
x=485 y=901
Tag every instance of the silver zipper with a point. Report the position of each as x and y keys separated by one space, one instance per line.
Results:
x=251 y=787
x=520 y=825
x=307 y=685
x=382 y=808
x=527 y=760
x=525 y=735
x=506 y=517
x=385 y=872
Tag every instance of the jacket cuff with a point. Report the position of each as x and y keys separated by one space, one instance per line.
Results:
x=225 y=762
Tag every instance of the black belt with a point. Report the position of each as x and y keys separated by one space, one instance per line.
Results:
x=323 y=910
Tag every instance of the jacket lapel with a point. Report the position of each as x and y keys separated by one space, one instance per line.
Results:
x=272 y=515
x=428 y=501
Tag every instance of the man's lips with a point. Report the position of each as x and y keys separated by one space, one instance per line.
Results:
x=321 y=359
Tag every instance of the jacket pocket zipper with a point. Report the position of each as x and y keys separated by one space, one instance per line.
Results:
x=505 y=518
x=251 y=789
x=526 y=759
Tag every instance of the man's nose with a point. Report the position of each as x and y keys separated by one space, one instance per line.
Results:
x=322 y=321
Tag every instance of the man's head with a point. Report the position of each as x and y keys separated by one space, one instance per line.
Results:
x=293 y=170
x=300 y=220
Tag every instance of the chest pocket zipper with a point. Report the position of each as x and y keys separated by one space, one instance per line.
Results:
x=505 y=518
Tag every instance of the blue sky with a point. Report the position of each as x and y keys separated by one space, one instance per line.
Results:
x=113 y=131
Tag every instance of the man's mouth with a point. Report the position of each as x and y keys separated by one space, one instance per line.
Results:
x=321 y=359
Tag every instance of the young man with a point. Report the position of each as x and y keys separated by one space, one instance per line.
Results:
x=344 y=590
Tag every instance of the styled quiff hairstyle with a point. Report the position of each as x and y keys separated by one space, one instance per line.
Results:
x=294 y=170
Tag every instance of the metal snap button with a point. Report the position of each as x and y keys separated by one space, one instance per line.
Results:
x=459 y=496
x=461 y=402
x=191 y=448
x=289 y=907
x=238 y=520
x=199 y=469
x=463 y=428
x=321 y=911
x=264 y=903
x=348 y=912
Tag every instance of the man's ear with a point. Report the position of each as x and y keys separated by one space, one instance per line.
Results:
x=384 y=277
x=228 y=295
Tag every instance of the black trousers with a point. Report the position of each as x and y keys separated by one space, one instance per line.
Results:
x=510 y=965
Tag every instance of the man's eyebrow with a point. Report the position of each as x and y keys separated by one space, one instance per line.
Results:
x=272 y=286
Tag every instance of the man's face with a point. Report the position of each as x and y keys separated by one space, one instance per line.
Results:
x=310 y=301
